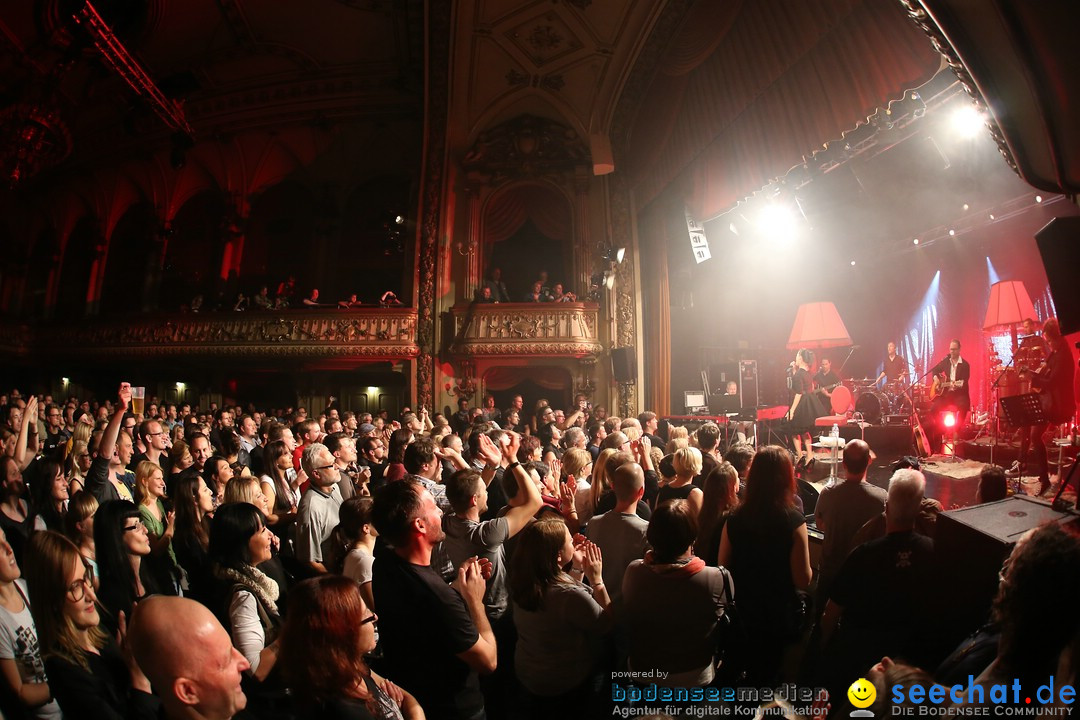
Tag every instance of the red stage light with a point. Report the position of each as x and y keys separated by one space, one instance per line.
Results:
x=949 y=420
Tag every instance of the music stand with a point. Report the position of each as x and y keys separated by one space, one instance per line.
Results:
x=1023 y=410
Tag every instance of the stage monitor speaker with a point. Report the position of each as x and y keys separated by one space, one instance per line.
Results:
x=1059 y=245
x=624 y=364
x=972 y=542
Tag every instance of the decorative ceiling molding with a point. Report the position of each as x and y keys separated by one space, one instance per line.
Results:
x=525 y=147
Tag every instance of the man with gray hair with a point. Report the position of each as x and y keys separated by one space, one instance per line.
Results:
x=574 y=437
x=317 y=514
x=883 y=591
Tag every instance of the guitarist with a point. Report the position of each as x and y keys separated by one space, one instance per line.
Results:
x=953 y=373
x=1054 y=383
x=825 y=380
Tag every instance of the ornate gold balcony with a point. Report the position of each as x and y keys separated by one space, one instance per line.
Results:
x=368 y=333
x=546 y=329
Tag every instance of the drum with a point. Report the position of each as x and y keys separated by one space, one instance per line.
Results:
x=873 y=405
x=1009 y=384
x=841 y=400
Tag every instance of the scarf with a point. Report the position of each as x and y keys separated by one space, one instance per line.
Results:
x=252 y=578
x=680 y=568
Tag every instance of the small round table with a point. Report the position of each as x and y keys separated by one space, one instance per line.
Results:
x=834 y=445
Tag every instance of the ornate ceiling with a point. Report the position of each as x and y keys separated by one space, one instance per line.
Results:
x=566 y=60
x=232 y=65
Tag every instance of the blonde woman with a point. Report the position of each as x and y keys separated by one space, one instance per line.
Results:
x=687 y=464
x=78 y=464
x=160 y=524
x=79 y=529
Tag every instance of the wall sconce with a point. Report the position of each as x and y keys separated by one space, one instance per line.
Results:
x=466 y=249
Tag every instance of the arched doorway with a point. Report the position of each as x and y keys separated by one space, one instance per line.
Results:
x=126 y=265
x=74 y=279
x=193 y=257
x=552 y=383
x=528 y=228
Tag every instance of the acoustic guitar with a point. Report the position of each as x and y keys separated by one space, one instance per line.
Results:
x=940 y=386
x=922 y=443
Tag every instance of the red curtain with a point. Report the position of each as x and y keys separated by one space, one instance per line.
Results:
x=725 y=116
x=508 y=211
x=549 y=378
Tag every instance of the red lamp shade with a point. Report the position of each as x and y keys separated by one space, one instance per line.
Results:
x=818 y=325
x=1009 y=305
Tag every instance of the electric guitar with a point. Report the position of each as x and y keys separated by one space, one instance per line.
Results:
x=820 y=392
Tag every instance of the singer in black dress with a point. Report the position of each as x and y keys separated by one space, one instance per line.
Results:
x=805 y=409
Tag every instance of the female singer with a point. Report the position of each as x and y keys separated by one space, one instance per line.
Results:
x=1054 y=383
x=805 y=409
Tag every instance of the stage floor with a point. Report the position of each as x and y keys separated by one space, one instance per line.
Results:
x=950 y=479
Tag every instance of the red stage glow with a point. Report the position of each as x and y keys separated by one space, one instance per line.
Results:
x=949 y=420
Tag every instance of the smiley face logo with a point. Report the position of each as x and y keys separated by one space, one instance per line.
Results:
x=862 y=693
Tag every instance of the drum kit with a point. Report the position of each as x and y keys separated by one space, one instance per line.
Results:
x=880 y=405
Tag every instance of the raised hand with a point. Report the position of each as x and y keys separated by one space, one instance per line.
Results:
x=123 y=395
x=593 y=563
x=487 y=451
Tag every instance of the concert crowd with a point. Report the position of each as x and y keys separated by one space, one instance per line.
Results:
x=164 y=560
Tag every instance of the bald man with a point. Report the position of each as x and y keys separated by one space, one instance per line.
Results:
x=188 y=658
x=844 y=508
x=620 y=533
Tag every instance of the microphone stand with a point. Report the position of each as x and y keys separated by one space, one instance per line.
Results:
x=994 y=389
x=850 y=353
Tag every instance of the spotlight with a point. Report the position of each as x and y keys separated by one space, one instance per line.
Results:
x=991 y=216
x=968 y=122
x=1038 y=198
x=609 y=280
x=949 y=419
x=399 y=219
x=614 y=255
x=734 y=230
x=966 y=206
x=777 y=221
x=952 y=233
x=915 y=241
x=852 y=263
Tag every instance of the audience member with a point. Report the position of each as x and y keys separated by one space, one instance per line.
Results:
x=842 y=509
x=765 y=546
x=672 y=593
x=686 y=462
x=993 y=484
x=79 y=529
x=245 y=598
x=90 y=675
x=26 y=690
x=49 y=493
x=620 y=533
x=122 y=543
x=447 y=623
x=719 y=499
x=324 y=642
x=160 y=524
x=317 y=514
x=199 y=675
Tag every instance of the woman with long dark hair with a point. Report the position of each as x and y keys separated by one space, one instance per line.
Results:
x=193 y=504
x=122 y=544
x=89 y=674
x=281 y=496
x=14 y=512
x=323 y=645
x=805 y=409
x=559 y=619
x=217 y=474
x=49 y=496
x=719 y=499
x=765 y=546
x=395 y=454
x=245 y=598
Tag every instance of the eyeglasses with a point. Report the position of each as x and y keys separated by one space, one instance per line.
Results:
x=137 y=526
x=323 y=467
x=77 y=590
x=156 y=434
x=369 y=619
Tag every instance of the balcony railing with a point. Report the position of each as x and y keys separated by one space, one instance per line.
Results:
x=377 y=333
x=546 y=329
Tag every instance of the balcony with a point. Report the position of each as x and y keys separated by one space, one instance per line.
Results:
x=529 y=329
x=362 y=334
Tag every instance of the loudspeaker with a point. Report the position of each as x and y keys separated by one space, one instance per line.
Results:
x=971 y=544
x=624 y=364
x=748 y=383
x=1059 y=245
